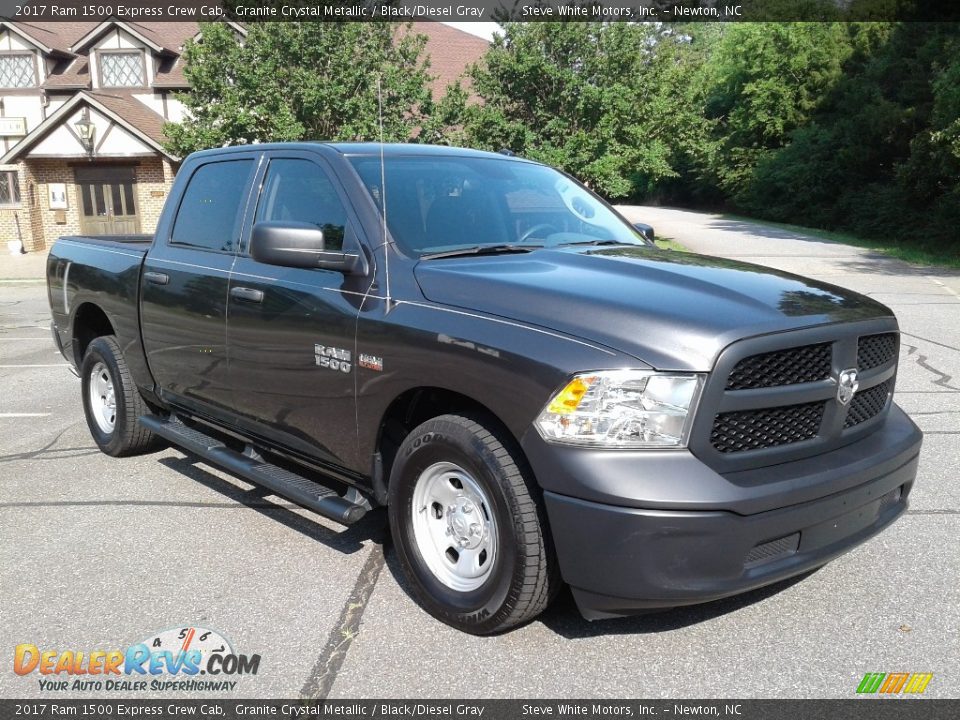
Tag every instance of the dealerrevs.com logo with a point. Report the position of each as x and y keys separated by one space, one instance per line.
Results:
x=170 y=660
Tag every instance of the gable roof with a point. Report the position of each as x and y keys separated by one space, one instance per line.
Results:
x=134 y=29
x=69 y=41
x=121 y=107
x=136 y=117
x=50 y=37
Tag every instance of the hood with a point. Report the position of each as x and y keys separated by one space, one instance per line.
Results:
x=671 y=310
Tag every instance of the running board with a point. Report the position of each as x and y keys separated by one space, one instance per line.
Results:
x=313 y=496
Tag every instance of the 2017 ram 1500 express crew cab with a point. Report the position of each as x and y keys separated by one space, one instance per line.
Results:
x=477 y=342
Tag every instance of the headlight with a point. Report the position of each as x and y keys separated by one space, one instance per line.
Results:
x=623 y=409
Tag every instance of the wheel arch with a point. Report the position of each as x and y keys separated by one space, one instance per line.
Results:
x=415 y=406
x=89 y=322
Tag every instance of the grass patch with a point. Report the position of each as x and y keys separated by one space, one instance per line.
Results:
x=943 y=258
x=666 y=243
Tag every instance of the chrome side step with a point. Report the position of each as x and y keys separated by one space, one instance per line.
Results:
x=311 y=495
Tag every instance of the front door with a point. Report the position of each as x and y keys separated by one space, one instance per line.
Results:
x=108 y=200
x=291 y=331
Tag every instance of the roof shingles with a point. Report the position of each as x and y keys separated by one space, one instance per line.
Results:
x=124 y=104
x=450 y=51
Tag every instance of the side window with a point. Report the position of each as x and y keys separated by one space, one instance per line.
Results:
x=298 y=190
x=209 y=214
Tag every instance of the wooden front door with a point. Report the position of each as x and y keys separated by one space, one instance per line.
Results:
x=108 y=200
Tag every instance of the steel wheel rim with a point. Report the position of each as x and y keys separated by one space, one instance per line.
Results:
x=454 y=526
x=103 y=398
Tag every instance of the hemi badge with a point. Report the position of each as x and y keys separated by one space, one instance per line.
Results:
x=370 y=362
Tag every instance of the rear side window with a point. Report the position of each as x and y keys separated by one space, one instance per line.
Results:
x=209 y=214
x=299 y=191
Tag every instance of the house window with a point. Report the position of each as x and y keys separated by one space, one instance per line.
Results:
x=123 y=69
x=9 y=188
x=17 y=71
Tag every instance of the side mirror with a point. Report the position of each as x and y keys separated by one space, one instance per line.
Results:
x=299 y=245
x=645 y=230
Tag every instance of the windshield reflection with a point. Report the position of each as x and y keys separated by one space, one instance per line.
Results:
x=440 y=204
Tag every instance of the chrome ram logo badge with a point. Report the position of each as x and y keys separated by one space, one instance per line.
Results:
x=847 y=385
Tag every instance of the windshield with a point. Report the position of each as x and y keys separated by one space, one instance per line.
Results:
x=439 y=204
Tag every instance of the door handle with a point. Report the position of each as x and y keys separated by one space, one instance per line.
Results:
x=156 y=278
x=247 y=294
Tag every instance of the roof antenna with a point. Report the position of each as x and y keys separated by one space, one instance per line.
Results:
x=383 y=193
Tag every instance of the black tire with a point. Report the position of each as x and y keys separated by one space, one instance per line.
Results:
x=127 y=436
x=523 y=577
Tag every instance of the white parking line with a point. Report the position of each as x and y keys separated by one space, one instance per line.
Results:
x=5 y=367
x=23 y=415
x=944 y=286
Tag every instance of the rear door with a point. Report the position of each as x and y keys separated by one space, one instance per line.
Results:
x=185 y=282
x=291 y=331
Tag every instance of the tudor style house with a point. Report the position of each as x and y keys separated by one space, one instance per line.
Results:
x=82 y=109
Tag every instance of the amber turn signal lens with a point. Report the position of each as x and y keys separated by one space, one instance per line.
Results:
x=568 y=399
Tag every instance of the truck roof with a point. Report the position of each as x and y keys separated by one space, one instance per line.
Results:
x=368 y=148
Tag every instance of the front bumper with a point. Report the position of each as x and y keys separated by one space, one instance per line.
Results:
x=733 y=537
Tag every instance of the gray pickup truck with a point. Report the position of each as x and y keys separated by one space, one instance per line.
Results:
x=535 y=393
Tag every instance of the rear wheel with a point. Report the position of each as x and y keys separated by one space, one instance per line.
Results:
x=111 y=401
x=469 y=527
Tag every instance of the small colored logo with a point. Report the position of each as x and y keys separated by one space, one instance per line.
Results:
x=169 y=660
x=894 y=683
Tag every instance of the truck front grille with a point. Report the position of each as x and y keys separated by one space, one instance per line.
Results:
x=774 y=398
x=768 y=427
x=782 y=367
x=868 y=404
x=876 y=350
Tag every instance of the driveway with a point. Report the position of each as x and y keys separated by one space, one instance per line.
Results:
x=100 y=553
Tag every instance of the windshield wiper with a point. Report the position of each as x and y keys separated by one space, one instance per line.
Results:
x=596 y=242
x=502 y=249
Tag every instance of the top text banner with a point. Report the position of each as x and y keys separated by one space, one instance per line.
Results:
x=481 y=10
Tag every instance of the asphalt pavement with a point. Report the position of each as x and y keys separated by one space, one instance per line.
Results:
x=100 y=553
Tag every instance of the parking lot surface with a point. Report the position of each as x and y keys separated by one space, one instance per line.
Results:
x=100 y=553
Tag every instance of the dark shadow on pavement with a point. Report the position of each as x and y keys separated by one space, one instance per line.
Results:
x=372 y=527
x=766 y=231
x=859 y=260
x=563 y=618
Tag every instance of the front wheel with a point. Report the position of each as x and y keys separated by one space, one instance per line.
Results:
x=111 y=401
x=469 y=527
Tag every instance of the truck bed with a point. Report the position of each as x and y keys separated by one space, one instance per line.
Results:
x=129 y=242
x=101 y=274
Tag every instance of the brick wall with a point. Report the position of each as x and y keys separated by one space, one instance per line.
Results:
x=11 y=216
x=45 y=227
x=39 y=225
x=154 y=179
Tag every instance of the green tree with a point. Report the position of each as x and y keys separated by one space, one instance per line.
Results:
x=444 y=124
x=879 y=156
x=585 y=97
x=766 y=81
x=301 y=81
